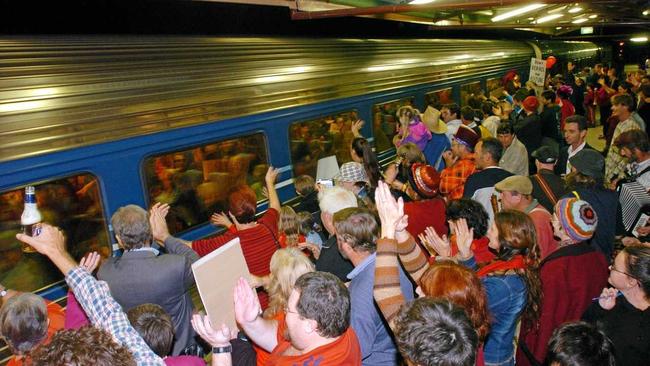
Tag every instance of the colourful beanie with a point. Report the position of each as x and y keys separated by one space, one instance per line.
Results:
x=577 y=217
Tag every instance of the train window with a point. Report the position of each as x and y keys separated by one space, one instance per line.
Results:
x=471 y=94
x=315 y=139
x=438 y=98
x=494 y=87
x=71 y=203
x=385 y=122
x=195 y=182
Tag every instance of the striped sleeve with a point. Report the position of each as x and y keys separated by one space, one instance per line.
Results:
x=387 y=291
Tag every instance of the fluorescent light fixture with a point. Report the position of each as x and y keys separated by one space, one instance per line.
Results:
x=557 y=9
x=574 y=10
x=593 y=16
x=558 y=28
x=579 y=20
x=587 y=30
x=485 y=12
x=514 y=13
x=549 y=17
x=646 y=12
x=639 y=39
x=420 y=2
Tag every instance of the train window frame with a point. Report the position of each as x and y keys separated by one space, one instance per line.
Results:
x=392 y=148
x=487 y=86
x=451 y=94
x=105 y=227
x=316 y=118
x=149 y=201
x=462 y=102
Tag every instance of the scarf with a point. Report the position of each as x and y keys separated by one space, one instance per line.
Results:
x=517 y=262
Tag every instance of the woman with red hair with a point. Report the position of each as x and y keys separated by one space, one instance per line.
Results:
x=258 y=239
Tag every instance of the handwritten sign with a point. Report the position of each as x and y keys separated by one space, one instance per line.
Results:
x=537 y=72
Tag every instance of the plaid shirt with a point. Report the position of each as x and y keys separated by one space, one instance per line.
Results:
x=105 y=313
x=614 y=163
x=453 y=178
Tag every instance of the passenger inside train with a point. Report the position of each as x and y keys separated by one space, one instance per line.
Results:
x=508 y=229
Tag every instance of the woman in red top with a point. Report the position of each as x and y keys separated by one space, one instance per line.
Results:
x=258 y=239
x=566 y=107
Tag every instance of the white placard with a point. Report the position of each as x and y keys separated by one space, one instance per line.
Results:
x=537 y=72
x=216 y=275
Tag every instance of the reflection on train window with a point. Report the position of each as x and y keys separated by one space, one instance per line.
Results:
x=196 y=182
x=74 y=205
x=318 y=138
x=471 y=94
x=494 y=87
x=385 y=122
x=438 y=98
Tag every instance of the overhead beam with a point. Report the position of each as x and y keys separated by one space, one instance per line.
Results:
x=552 y=25
x=446 y=5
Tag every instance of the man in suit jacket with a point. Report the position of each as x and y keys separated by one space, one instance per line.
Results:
x=142 y=275
x=575 y=135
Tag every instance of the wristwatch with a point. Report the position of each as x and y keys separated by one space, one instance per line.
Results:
x=3 y=293
x=226 y=349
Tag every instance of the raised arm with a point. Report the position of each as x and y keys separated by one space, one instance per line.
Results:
x=271 y=176
x=248 y=314
x=94 y=296
x=386 y=290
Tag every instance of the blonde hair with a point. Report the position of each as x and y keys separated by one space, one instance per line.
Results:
x=289 y=225
x=411 y=153
x=286 y=266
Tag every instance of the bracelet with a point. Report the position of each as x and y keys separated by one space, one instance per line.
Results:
x=226 y=349
x=3 y=293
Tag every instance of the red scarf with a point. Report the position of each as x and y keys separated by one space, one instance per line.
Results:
x=517 y=262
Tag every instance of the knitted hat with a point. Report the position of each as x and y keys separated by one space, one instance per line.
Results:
x=530 y=103
x=424 y=179
x=577 y=217
x=466 y=136
x=352 y=172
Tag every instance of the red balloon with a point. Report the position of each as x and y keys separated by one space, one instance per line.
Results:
x=550 y=61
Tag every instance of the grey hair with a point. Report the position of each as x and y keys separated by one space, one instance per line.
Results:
x=334 y=199
x=131 y=224
x=23 y=322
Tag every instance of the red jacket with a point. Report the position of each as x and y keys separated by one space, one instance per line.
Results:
x=571 y=277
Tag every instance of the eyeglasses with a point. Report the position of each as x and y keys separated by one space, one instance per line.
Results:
x=612 y=268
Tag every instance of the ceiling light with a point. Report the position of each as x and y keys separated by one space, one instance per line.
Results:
x=575 y=10
x=646 y=12
x=593 y=16
x=420 y=2
x=549 y=17
x=558 y=28
x=580 y=20
x=557 y=9
x=639 y=39
x=519 y=11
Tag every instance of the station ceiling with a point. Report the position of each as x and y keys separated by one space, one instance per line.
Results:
x=549 y=17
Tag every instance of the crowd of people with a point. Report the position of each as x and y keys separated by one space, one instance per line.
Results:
x=498 y=236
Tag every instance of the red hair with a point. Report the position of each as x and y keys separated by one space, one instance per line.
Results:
x=462 y=287
x=242 y=203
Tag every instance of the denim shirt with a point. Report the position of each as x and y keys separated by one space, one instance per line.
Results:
x=377 y=346
x=506 y=298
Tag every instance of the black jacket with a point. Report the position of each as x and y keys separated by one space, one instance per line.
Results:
x=560 y=166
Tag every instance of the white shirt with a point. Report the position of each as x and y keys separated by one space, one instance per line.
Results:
x=452 y=128
x=572 y=152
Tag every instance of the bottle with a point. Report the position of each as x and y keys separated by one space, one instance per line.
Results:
x=30 y=217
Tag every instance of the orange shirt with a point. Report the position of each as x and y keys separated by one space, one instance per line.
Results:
x=56 y=315
x=262 y=355
x=344 y=351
